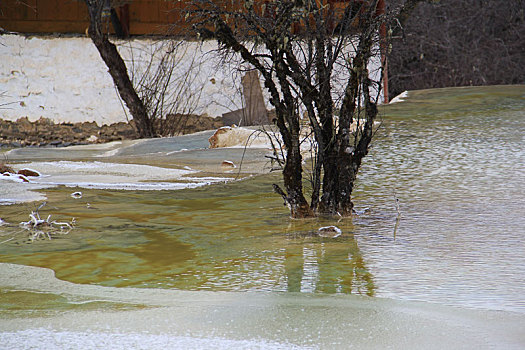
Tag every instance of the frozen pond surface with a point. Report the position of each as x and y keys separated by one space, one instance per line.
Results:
x=93 y=317
x=153 y=164
x=223 y=265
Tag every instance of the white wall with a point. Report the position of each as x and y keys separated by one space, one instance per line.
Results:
x=65 y=80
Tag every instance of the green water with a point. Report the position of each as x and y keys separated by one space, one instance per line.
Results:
x=236 y=236
x=454 y=158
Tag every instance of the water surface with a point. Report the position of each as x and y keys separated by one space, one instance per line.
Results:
x=454 y=158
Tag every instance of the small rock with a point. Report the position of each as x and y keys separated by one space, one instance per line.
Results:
x=214 y=139
x=28 y=172
x=92 y=138
x=23 y=178
x=228 y=164
x=329 y=231
x=76 y=195
x=6 y=169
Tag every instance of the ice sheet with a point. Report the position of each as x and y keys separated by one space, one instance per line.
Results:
x=224 y=320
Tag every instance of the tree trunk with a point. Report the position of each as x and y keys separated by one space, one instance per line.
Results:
x=293 y=183
x=117 y=70
x=299 y=72
x=338 y=181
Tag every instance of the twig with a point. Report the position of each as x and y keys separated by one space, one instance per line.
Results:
x=7 y=240
x=279 y=191
x=398 y=218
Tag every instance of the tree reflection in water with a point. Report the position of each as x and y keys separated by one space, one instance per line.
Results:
x=314 y=264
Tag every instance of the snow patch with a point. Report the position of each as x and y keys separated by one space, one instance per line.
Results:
x=400 y=98
x=101 y=175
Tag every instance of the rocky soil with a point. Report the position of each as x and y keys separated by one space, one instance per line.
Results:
x=45 y=133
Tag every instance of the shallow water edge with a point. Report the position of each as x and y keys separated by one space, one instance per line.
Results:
x=156 y=318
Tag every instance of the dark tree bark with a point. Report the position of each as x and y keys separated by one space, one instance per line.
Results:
x=117 y=69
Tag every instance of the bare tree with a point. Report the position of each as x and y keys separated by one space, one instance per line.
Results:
x=166 y=74
x=460 y=43
x=117 y=68
x=314 y=57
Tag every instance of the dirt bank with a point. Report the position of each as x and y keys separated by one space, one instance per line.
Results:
x=45 y=133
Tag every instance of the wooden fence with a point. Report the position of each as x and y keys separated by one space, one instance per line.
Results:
x=139 y=17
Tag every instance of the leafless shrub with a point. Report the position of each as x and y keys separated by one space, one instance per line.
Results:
x=166 y=76
x=314 y=58
x=460 y=43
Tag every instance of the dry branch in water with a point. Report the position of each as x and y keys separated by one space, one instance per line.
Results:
x=39 y=228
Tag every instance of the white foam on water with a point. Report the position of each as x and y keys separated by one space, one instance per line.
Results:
x=102 y=175
x=12 y=192
x=12 y=177
x=154 y=186
x=145 y=172
x=110 y=153
x=98 y=175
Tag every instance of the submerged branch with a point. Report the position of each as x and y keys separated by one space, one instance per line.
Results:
x=42 y=228
x=398 y=218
